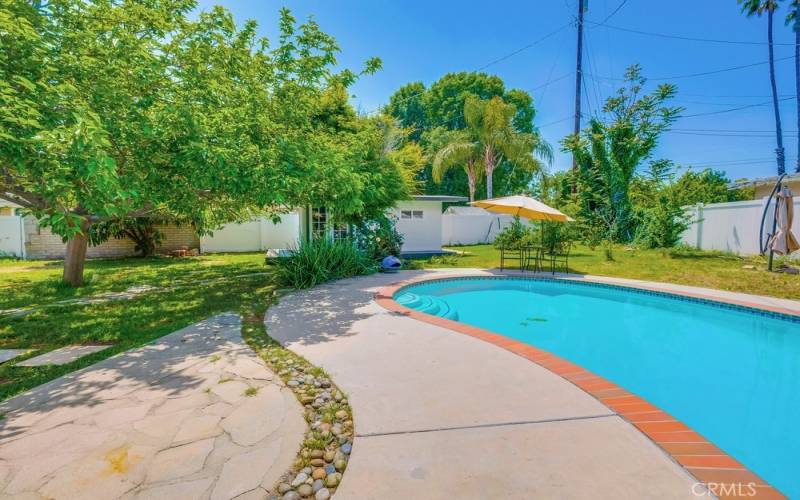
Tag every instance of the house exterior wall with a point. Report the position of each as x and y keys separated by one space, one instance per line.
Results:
x=763 y=190
x=420 y=234
x=41 y=243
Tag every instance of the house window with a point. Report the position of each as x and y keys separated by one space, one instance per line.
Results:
x=417 y=214
x=411 y=214
x=319 y=222
x=340 y=232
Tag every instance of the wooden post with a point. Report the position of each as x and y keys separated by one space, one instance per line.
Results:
x=578 y=81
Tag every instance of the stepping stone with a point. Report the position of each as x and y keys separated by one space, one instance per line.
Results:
x=9 y=354
x=63 y=355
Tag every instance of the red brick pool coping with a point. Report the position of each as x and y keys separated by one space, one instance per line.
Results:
x=722 y=474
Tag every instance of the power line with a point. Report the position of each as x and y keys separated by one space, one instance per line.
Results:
x=498 y=60
x=704 y=73
x=524 y=48
x=620 y=6
x=685 y=38
x=736 y=109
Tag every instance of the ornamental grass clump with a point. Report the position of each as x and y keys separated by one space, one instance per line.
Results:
x=322 y=260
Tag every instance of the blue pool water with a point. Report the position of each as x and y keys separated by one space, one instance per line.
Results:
x=731 y=374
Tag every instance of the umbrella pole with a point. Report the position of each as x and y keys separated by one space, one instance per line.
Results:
x=774 y=224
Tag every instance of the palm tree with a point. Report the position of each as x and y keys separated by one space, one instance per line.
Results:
x=459 y=150
x=793 y=19
x=757 y=8
x=489 y=122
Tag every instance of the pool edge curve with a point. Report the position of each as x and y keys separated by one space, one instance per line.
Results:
x=698 y=456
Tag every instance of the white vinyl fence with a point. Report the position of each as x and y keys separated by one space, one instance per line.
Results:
x=732 y=227
x=256 y=235
x=11 y=234
x=472 y=228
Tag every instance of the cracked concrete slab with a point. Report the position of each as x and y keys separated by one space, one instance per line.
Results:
x=151 y=423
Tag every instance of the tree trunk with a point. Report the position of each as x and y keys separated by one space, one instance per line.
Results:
x=778 y=132
x=75 y=257
x=797 y=76
x=488 y=158
x=471 y=184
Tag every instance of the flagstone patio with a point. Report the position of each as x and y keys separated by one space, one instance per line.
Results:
x=194 y=415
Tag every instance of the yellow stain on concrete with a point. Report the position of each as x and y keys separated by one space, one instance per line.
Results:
x=120 y=460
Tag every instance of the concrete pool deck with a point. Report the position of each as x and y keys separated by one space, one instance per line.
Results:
x=440 y=414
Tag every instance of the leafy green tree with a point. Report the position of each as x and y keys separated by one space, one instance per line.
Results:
x=490 y=123
x=757 y=8
x=706 y=186
x=431 y=112
x=117 y=110
x=609 y=152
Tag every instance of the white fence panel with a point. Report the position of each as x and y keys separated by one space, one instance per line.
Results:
x=253 y=236
x=11 y=233
x=460 y=229
x=731 y=227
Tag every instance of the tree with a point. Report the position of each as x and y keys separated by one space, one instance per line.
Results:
x=757 y=8
x=118 y=110
x=459 y=150
x=490 y=123
x=441 y=106
x=609 y=152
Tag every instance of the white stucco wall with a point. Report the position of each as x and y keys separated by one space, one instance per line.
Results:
x=256 y=235
x=420 y=235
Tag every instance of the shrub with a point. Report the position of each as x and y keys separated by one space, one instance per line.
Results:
x=662 y=223
x=379 y=238
x=514 y=235
x=322 y=260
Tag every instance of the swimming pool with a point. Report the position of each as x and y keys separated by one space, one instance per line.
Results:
x=730 y=373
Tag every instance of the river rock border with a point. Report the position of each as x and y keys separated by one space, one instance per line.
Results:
x=323 y=457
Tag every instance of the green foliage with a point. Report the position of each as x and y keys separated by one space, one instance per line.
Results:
x=707 y=186
x=610 y=151
x=515 y=235
x=661 y=222
x=433 y=113
x=113 y=110
x=322 y=260
x=142 y=231
x=379 y=238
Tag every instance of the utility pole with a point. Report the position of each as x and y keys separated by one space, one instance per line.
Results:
x=578 y=81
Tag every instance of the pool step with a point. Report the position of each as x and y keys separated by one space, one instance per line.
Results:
x=428 y=304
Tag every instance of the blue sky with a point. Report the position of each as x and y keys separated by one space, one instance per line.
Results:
x=421 y=41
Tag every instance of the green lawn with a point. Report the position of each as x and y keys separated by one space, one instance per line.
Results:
x=124 y=323
x=204 y=286
x=682 y=266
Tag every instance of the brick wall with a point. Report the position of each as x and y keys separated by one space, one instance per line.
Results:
x=41 y=243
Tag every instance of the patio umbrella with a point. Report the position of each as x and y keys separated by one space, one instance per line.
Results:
x=784 y=242
x=523 y=206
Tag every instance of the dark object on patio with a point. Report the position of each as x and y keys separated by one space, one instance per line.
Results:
x=391 y=264
x=512 y=252
x=559 y=257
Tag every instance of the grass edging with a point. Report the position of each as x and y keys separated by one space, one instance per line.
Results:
x=325 y=451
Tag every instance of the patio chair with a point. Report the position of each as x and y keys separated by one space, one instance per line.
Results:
x=534 y=257
x=559 y=257
x=512 y=253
